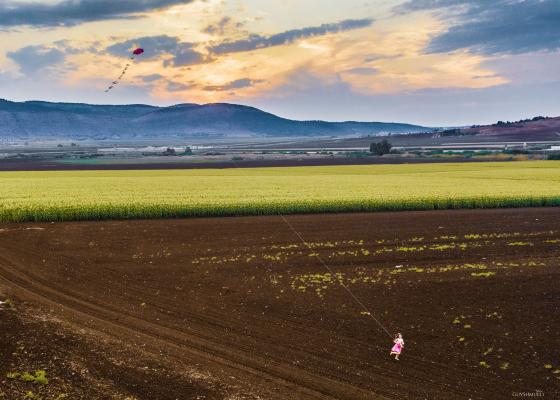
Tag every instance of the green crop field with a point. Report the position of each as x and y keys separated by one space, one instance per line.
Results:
x=75 y=195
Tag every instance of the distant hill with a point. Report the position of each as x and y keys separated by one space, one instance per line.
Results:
x=44 y=120
x=533 y=129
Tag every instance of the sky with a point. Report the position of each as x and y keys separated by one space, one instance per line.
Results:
x=429 y=62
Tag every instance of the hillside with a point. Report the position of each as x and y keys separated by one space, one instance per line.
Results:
x=37 y=119
x=535 y=129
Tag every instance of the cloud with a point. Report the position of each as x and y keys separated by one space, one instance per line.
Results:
x=222 y=26
x=421 y=5
x=155 y=46
x=186 y=55
x=176 y=86
x=306 y=96
x=32 y=59
x=363 y=71
x=527 y=69
x=378 y=57
x=73 y=12
x=151 y=78
x=237 y=84
x=486 y=76
x=496 y=27
x=254 y=42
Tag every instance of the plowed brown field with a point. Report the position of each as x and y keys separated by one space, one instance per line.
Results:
x=241 y=308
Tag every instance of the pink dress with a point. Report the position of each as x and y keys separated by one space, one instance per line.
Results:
x=397 y=348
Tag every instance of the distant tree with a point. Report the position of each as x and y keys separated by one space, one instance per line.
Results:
x=170 y=151
x=451 y=132
x=383 y=147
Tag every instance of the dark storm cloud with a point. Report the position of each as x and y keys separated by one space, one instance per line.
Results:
x=32 y=59
x=73 y=12
x=491 y=27
x=237 y=84
x=254 y=42
x=155 y=46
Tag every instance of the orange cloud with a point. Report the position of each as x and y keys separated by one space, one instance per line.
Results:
x=387 y=57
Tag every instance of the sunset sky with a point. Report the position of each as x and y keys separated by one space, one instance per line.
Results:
x=431 y=62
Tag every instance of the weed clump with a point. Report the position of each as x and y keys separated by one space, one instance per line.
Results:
x=39 y=377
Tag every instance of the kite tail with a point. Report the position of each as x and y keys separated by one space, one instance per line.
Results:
x=136 y=52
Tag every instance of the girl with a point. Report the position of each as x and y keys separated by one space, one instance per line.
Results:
x=397 y=348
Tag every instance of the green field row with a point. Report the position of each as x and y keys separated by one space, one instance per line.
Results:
x=78 y=195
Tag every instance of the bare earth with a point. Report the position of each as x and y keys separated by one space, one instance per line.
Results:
x=240 y=308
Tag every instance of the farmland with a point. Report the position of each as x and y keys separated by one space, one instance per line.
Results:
x=93 y=195
x=263 y=306
x=241 y=308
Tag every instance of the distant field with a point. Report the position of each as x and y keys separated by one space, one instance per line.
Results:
x=77 y=195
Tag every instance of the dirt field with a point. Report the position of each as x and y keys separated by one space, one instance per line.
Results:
x=240 y=308
x=103 y=165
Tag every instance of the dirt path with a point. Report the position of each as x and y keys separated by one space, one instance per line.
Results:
x=243 y=304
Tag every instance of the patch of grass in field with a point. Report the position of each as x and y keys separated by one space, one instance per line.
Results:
x=39 y=377
x=321 y=282
x=483 y=274
x=92 y=195
x=484 y=364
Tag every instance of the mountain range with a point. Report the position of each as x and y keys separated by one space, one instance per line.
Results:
x=45 y=120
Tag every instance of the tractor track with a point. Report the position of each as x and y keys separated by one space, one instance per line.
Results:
x=196 y=348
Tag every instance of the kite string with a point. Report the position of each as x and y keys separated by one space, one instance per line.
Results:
x=119 y=78
x=318 y=257
x=356 y=299
x=116 y=82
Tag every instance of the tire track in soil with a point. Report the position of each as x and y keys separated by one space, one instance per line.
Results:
x=311 y=386
x=296 y=380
